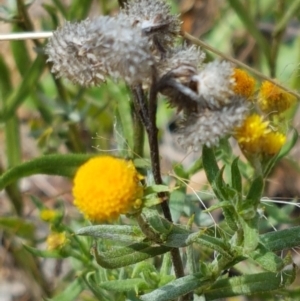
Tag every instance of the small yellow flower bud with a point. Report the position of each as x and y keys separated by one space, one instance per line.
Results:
x=56 y=240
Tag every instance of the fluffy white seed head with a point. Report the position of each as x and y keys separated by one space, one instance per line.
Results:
x=154 y=19
x=209 y=126
x=215 y=83
x=88 y=51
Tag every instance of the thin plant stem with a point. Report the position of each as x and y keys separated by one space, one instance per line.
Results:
x=155 y=162
x=237 y=62
x=26 y=36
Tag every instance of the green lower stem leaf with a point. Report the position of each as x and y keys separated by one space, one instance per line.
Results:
x=59 y=165
x=266 y=259
x=281 y=240
x=250 y=284
x=138 y=253
x=121 y=233
x=176 y=288
x=126 y=285
x=44 y=253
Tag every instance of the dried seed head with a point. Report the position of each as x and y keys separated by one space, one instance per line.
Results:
x=215 y=84
x=65 y=51
x=87 y=52
x=155 y=20
x=209 y=126
x=180 y=65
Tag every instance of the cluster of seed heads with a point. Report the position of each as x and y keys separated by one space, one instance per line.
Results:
x=135 y=45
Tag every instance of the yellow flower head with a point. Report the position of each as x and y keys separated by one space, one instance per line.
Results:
x=272 y=99
x=250 y=134
x=244 y=83
x=105 y=187
x=272 y=143
x=254 y=136
x=56 y=240
x=48 y=215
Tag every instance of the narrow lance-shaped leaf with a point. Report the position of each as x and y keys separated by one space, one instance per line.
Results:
x=122 y=233
x=143 y=252
x=125 y=285
x=210 y=164
x=175 y=289
x=19 y=95
x=44 y=253
x=266 y=259
x=250 y=284
x=236 y=178
x=60 y=165
x=281 y=240
x=255 y=191
x=17 y=226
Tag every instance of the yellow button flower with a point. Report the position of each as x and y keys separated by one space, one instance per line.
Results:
x=105 y=187
x=256 y=137
x=244 y=83
x=251 y=132
x=272 y=99
x=272 y=143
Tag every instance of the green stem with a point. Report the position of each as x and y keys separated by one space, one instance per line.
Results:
x=139 y=136
x=13 y=155
x=293 y=7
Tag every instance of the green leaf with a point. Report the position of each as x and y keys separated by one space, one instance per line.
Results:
x=175 y=289
x=78 y=11
x=126 y=285
x=236 y=178
x=255 y=191
x=60 y=165
x=210 y=242
x=18 y=226
x=17 y=97
x=266 y=259
x=249 y=284
x=251 y=234
x=210 y=164
x=71 y=292
x=156 y=188
x=281 y=240
x=94 y=287
x=43 y=253
x=135 y=253
x=120 y=233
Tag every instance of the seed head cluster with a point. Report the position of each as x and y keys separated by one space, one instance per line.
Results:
x=137 y=46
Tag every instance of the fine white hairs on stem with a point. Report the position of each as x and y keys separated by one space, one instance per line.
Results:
x=88 y=51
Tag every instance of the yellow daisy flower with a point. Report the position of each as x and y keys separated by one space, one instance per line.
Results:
x=244 y=83
x=250 y=133
x=255 y=137
x=105 y=187
x=272 y=143
x=272 y=99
